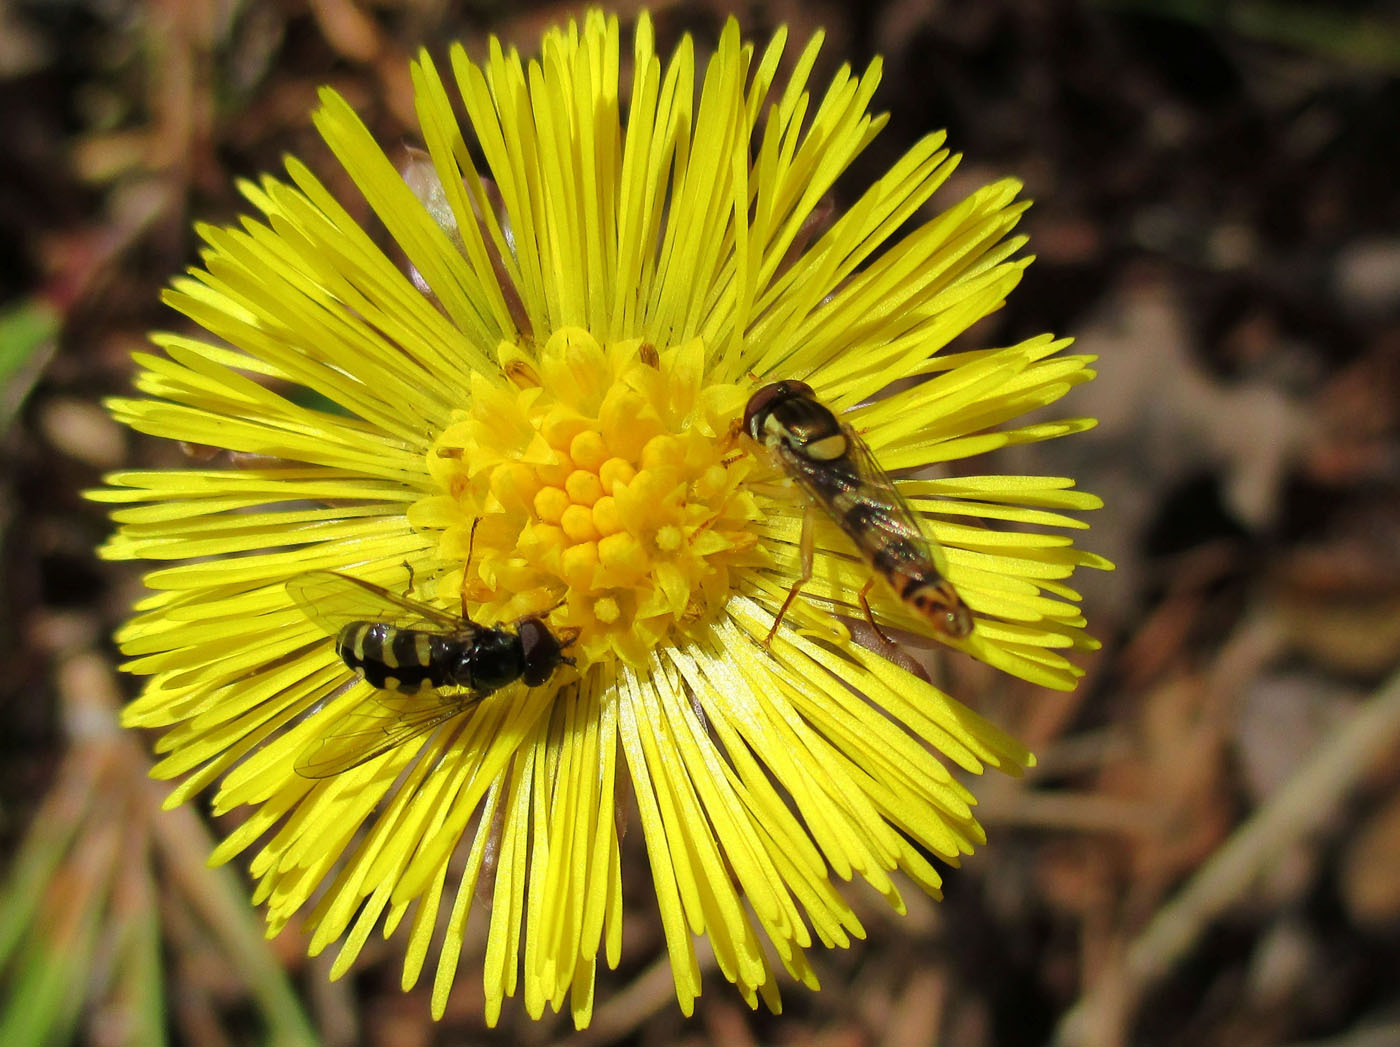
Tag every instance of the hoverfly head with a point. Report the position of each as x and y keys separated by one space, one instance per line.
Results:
x=762 y=403
x=541 y=650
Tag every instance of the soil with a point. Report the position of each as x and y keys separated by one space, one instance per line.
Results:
x=1206 y=853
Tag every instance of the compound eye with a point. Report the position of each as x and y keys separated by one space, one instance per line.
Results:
x=759 y=405
x=539 y=650
x=529 y=636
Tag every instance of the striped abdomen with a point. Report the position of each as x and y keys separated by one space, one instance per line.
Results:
x=901 y=557
x=393 y=659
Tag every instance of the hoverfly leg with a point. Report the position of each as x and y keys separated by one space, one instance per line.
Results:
x=466 y=568
x=792 y=594
x=731 y=439
x=865 y=606
x=567 y=637
x=409 y=568
x=807 y=546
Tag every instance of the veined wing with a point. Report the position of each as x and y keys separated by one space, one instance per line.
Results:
x=864 y=501
x=385 y=721
x=333 y=600
x=861 y=498
x=896 y=516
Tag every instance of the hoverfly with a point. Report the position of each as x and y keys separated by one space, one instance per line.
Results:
x=836 y=469
x=405 y=648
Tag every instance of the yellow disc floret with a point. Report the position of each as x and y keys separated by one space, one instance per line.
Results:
x=606 y=492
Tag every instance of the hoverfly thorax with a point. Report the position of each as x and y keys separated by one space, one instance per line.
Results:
x=788 y=413
x=490 y=662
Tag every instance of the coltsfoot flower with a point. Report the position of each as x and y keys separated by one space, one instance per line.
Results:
x=559 y=368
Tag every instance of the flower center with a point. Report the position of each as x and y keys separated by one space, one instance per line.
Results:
x=600 y=487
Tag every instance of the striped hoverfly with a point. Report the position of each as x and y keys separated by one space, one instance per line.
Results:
x=837 y=471
x=406 y=648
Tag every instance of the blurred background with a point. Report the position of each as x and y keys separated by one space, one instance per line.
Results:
x=1209 y=852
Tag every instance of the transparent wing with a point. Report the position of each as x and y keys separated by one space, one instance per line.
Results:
x=333 y=600
x=896 y=515
x=884 y=512
x=918 y=555
x=384 y=722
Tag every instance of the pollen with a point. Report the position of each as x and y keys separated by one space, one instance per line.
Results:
x=596 y=487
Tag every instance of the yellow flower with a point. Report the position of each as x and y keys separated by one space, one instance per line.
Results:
x=581 y=324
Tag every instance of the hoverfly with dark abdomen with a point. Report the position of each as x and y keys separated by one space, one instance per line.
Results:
x=836 y=469
x=428 y=665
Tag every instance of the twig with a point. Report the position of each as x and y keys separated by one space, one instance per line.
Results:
x=649 y=992
x=1308 y=800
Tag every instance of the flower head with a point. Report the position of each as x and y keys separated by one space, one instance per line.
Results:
x=604 y=486
x=539 y=418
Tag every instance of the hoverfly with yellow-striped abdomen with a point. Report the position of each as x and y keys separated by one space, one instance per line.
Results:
x=837 y=471
x=428 y=665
